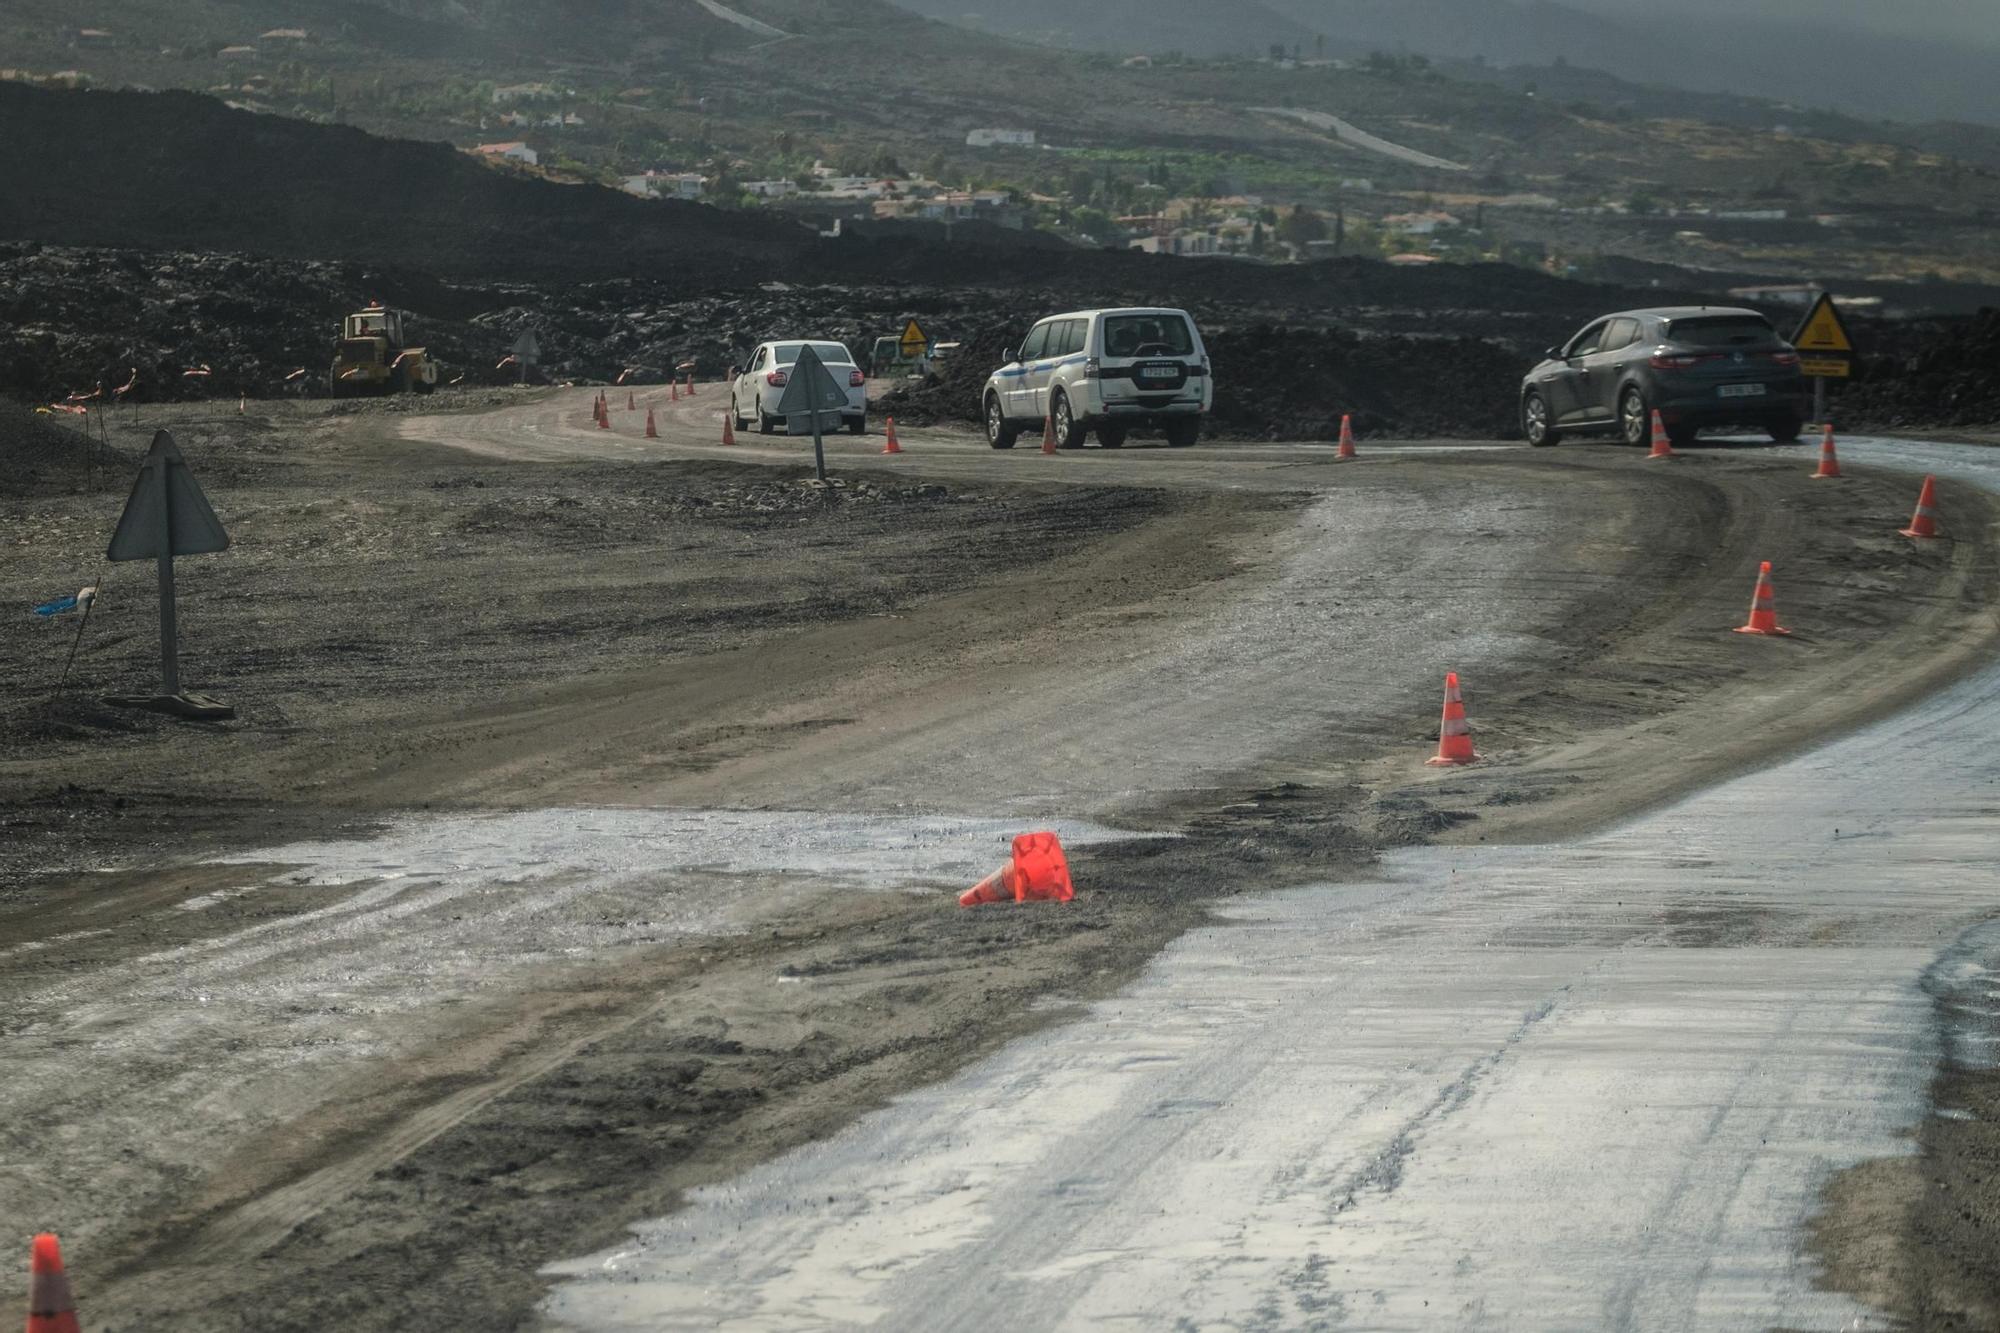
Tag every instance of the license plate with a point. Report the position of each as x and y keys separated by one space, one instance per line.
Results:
x=1741 y=391
x=1156 y=372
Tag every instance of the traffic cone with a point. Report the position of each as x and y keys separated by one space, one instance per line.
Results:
x=51 y=1309
x=891 y=447
x=690 y=384
x=631 y=403
x=674 y=387
x=604 y=417
x=652 y=430
x=1661 y=449
x=1923 y=523
x=1763 y=606
x=1454 y=733
x=1829 y=462
x=1037 y=870
x=1346 y=438
x=1048 y=435
x=728 y=430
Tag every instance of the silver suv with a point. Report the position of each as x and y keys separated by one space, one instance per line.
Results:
x=1110 y=371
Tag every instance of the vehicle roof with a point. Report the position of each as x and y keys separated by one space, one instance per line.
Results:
x=1673 y=312
x=1115 y=310
x=800 y=342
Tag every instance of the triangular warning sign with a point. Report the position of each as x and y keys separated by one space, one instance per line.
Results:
x=914 y=340
x=1824 y=330
x=167 y=514
x=811 y=388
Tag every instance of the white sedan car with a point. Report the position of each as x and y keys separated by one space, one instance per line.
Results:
x=760 y=384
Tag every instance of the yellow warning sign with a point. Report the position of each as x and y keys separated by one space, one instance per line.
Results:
x=1824 y=367
x=915 y=341
x=1824 y=330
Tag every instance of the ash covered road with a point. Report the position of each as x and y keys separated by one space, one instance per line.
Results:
x=1595 y=1084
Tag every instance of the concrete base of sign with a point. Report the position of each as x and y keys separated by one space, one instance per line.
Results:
x=195 y=707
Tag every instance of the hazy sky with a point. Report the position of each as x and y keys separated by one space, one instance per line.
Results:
x=1955 y=20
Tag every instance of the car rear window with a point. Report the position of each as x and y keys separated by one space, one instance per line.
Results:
x=1721 y=331
x=785 y=354
x=1147 y=335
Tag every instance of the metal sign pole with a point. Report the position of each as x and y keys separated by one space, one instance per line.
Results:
x=819 y=449
x=170 y=667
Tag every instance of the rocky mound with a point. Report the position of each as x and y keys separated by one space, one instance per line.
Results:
x=1941 y=373
x=38 y=454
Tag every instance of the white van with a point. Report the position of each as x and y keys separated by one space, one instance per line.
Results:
x=1109 y=371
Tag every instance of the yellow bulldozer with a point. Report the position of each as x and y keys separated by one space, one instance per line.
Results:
x=371 y=357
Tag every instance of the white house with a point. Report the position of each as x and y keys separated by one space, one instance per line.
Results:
x=1418 y=224
x=772 y=189
x=1000 y=139
x=512 y=152
x=666 y=185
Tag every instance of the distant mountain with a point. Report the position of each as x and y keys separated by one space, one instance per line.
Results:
x=1129 y=27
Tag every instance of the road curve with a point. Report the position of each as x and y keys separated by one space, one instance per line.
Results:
x=1591 y=1085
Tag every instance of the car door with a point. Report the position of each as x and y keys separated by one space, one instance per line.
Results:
x=748 y=384
x=1565 y=385
x=1065 y=338
x=1603 y=368
x=1021 y=399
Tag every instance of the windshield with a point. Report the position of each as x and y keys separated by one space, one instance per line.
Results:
x=784 y=354
x=1147 y=335
x=1721 y=331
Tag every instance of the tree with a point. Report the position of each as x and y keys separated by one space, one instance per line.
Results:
x=1257 y=241
x=1301 y=226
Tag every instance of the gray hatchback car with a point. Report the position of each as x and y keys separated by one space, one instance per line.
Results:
x=1699 y=366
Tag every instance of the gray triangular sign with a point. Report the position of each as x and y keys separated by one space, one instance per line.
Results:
x=811 y=388
x=175 y=516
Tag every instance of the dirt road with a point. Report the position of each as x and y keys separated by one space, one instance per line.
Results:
x=653 y=767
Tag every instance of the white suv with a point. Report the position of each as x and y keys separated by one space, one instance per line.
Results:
x=755 y=391
x=1103 y=370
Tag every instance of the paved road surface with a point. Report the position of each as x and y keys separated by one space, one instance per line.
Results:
x=1585 y=1086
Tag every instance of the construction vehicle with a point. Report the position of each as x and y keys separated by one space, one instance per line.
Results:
x=371 y=357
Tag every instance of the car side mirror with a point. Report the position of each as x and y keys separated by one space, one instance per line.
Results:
x=1555 y=354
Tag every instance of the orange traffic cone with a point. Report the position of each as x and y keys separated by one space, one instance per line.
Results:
x=1923 y=523
x=1048 y=435
x=674 y=387
x=652 y=430
x=1037 y=870
x=728 y=430
x=604 y=416
x=1763 y=606
x=51 y=1309
x=690 y=384
x=1346 y=438
x=631 y=403
x=1661 y=449
x=1829 y=462
x=1454 y=733
x=891 y=447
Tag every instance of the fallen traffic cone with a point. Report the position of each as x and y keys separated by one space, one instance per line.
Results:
x=1048 y=435
x=1038 y=870
x=1923 y=523
x=674 y=387
x=728 y=431
x=1829 y=462
x=1346 y=438
x=1454 y=733
x=891 y=447
x=1763 y=606
x=51 y=1309
x=1661 y=449
x=631 y=403
x=242 y=404
x=652 y=430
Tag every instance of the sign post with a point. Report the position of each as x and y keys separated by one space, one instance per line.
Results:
x=1825 y=350
x=527 y=353
x=812 y=389
x=167 y=515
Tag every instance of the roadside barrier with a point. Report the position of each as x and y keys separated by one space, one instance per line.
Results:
x=1454 y=732
x=1038 y=871
x=1763 y=606
x=51 y=1309
x=1661 y=448
x=891 y=447
x=652 y=429
x=1829 y=462
x=1048 y=435
x=728 y=430
x=1923 y=523
x=1346 y=438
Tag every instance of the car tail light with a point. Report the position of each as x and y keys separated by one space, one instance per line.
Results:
x=855 y=379
x=776 y=379
x=1091 y=369
x=1785 y=358
x=1682 y=360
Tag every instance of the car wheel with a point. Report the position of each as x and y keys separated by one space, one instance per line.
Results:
x=1181 y=434
x=1535 y=424
x=1682 y=433
x=1635 y=422
x=1111 y=437
x=1786 y=430
x=1067 y=435
x=1000 y=432
x=857 y=425
x=766 y=424
x=736 y=415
